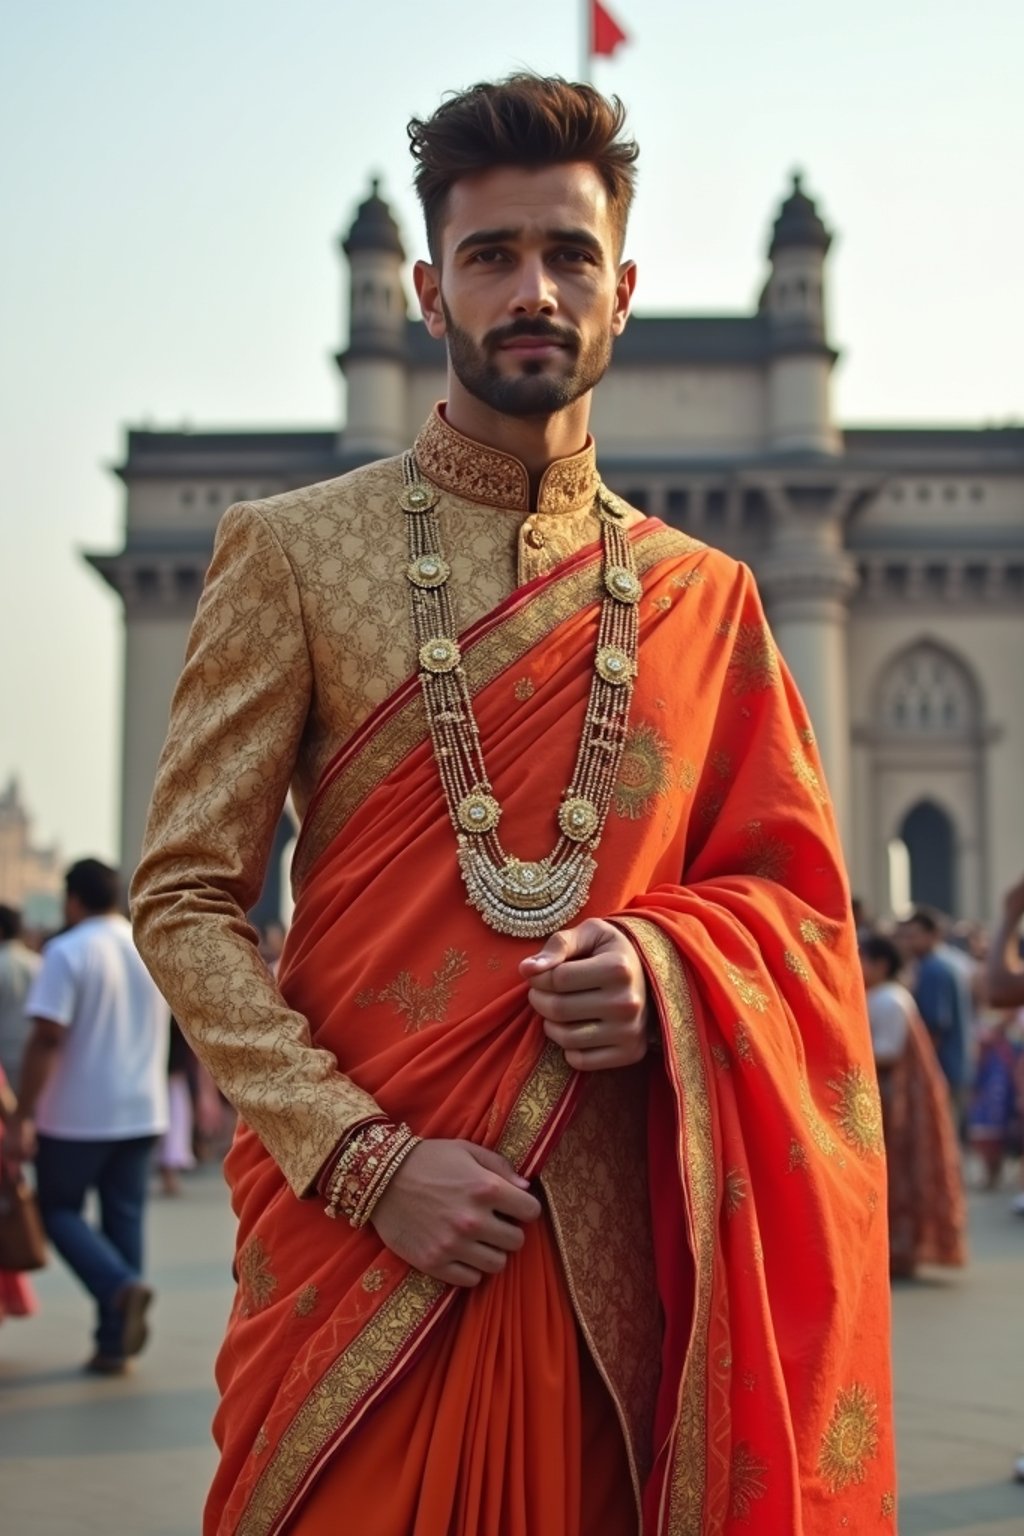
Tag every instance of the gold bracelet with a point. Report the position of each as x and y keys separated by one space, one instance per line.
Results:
x=403 y=1145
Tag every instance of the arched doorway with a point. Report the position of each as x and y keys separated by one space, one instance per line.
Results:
x=930 y=840
x=927 y=742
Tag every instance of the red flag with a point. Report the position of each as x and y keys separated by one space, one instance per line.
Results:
x=605 y=32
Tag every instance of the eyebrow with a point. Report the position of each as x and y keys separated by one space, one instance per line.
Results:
x=506 y=236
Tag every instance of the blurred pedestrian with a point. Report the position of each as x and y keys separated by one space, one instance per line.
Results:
x=942 y=997
x=17 y=1297
x=177 y=1153
x=1005 y=977
x=927 y=1215
x=18 y=968
x=993 y=1115
x=92 y=1102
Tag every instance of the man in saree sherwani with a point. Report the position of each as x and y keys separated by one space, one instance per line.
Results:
x=559 y=1175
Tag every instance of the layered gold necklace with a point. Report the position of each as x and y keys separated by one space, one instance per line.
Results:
x=525 y=898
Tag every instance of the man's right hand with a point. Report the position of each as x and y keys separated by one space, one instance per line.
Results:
x=454 y=1210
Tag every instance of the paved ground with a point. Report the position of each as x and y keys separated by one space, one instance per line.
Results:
x=84 y=1457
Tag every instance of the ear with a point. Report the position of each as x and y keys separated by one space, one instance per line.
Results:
x=427 y=282
x=624 y=287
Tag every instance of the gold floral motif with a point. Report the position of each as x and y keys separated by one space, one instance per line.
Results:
x=744 y=1049
x=816 y=933
x=687 y=579
x=724 y=628
x=807 y=736
x=643 y=773
x=750 y=993
x=753 y=664
x=747 y=1481
x=888 y=1505
x=493 y=963
x=749 y=1380
x=796 y=965
x=710 y=807
x=720 y=1056
x=721 y=762
x=765 y=856
x=366 y=997
x=851 y=1439
x=524 y=689
x=735 y=1190
x=426 y=1003
x=724 y=1363
x=373 y=1280
x=860 y=1110
x=797 y=1155
x=804 y=774
x=688 y=777
x=662 y=604
x=306 y=1300
x=257 y=1281
x=820 y=1135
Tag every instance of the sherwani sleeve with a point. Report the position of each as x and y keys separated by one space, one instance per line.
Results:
x=237 y=721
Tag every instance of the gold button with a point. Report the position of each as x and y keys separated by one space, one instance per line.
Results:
x=534 y=537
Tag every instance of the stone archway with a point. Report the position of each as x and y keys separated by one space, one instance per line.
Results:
x=928 y=833
x=927 y=761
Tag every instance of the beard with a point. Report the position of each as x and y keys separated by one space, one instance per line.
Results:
x=534 y=391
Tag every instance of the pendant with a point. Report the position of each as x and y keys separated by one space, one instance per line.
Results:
x=526 y=899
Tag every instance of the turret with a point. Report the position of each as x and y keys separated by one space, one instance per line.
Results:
x=374 y=363
x=800 y=410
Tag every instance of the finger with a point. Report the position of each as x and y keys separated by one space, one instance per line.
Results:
x=591 y=1036
x=516 y=1204
x=457 y=1274
x=591 y=973
x=566 y=944
x=481 y=1256
x=497 y=1232
x=609 y=1056
x=618 y=1007
x=495 y=1163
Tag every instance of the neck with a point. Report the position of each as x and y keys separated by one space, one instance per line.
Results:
x=536 y=441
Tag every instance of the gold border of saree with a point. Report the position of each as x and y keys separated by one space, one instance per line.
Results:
x=684 y=1495
x=337 y=1402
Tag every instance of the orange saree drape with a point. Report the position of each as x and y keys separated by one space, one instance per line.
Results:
x=764 y=1182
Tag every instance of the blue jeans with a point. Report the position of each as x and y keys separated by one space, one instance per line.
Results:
x=110 y=1258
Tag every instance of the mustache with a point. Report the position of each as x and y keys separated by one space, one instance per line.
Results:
x=546 y=329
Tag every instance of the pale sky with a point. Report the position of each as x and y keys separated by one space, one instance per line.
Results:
x=174 y=179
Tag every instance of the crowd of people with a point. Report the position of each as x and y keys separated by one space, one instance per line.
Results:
x=100 y=1090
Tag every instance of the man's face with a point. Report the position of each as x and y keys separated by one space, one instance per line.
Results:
x=528 y=291
x=917 y=940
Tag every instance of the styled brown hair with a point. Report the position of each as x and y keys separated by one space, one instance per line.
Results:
x=526 y=120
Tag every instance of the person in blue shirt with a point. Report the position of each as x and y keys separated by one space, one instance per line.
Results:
x=942 y=997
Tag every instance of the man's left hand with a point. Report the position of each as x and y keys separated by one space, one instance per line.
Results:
x=589 y=987
x=20 y=1143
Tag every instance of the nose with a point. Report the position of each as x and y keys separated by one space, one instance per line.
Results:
x=534 y=292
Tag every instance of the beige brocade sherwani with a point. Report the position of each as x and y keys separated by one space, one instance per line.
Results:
x=303 y=629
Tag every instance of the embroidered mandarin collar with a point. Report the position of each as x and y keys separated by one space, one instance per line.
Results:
x=478 y=473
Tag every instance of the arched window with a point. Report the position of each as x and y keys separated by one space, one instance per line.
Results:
x=928 y=835
x=928 y=693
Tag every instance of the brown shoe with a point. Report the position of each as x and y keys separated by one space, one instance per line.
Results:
x=107 y=1365
x=133 y=1303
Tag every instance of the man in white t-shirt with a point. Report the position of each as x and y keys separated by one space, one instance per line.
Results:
x=93 y=1100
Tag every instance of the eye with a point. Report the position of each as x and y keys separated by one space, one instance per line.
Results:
x=488 y=256
x=575 y=256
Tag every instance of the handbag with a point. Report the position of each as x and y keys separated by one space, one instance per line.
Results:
x=22 y=1239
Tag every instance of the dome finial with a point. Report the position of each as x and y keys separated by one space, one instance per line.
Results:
x=799 y=222
x=374 y=227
